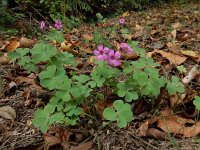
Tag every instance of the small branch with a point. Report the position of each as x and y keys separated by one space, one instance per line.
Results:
x=150 y=145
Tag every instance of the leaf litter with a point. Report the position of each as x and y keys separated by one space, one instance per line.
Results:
x=173 y=48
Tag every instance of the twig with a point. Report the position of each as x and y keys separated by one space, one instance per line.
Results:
x=150 y=145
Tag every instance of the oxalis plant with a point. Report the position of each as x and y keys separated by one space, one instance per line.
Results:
x=141 y=78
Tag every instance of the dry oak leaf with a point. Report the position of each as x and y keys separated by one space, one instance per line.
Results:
x=8 y=113
x=13 y=45
x=153 y=132
x=190 y=53
x=175 y=124
x=173 y=58
x=57 y=136
x=142 y=130
x=27 y=43
x=66 y=47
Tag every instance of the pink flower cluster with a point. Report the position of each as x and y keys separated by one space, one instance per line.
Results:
x=126 y=48
x=109 y=55
x=58 y=25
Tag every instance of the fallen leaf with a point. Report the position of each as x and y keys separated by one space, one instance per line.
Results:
x=173 y=58
x=66 y=47
x=26 y=43
x=142 y=130
x=57 y=136
x=83 y=146
x=174 y=47
x=92 y=60
x=190 y=53
x=185 y=37
x=8 y=113
x=153 y=132
x=174 y=33
x=86 y=49
x=126 y=14
x=4 y=59
x=88 y=37
x=13 y=45
x=176 y=25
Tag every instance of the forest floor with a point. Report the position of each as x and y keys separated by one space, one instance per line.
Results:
x=169 y=34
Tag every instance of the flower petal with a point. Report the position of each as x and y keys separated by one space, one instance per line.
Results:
x=116 y=62
x=100 y=57
x=96 y=52
x=117 y=55
x=111 y=53
x=106 y=49
x=100 y=47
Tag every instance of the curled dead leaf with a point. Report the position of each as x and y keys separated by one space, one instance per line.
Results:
x=13 y=45
x=66 y=47
x=8 y=113
x=26 y=43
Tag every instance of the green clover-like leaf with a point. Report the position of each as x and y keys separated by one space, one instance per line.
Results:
x=42 y=52
x=110 y=114
x=175 y=86
x=196 y=102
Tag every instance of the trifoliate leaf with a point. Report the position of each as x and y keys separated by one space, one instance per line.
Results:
x=141 y=77
x=131 y=96
x=42 y=52
x=175 y=86
x=22 y=51
x=82 y=78
x=55 y=35
x=118 y=104
x=56 y=117
x=110 y=114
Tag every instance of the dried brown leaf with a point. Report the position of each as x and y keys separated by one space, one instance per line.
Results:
x=8 y=113
x=13 y=45
x=26 y=43
x=174 y=33
x=173 y=58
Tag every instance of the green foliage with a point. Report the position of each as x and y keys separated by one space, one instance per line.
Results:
x=181 y=69
x=196 y=102
x=121 y=113
x=5 y=17
x=141 y=79
x=175 y=86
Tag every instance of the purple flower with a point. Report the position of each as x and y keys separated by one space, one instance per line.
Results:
x=122 y=21
x=42 y=25
x=101 y=52
x=113 y=58
x=58 y=24
x=126 y=48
